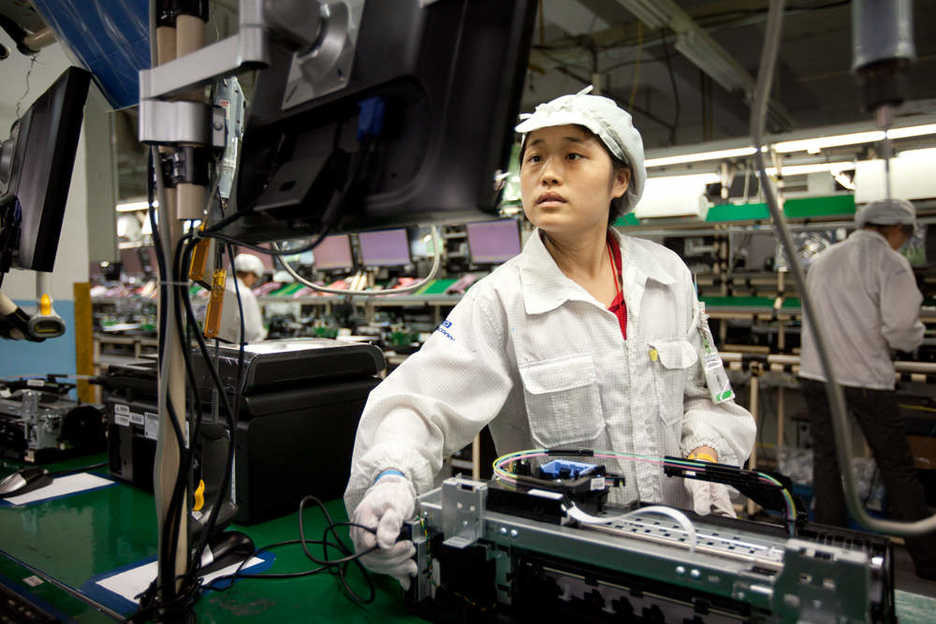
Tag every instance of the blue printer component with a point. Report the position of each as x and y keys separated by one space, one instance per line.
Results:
x=566 y=469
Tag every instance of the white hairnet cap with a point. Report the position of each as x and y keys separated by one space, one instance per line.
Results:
x=607 y=120
x=886 y=212
x=248 y=263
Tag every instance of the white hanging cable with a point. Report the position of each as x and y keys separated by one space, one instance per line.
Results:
x=836 y=395
x=436 y=263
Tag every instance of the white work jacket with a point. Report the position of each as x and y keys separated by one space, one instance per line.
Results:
x=531 y=353
x=254 y=331
x=869 y=303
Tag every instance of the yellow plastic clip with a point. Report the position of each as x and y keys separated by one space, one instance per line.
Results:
x=45 y=305
x=199 y=496
x=198 y=271
x=703 y=457
x=215 y=304
x=654 y=355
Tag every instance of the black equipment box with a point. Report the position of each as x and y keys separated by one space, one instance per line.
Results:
x=299 y=405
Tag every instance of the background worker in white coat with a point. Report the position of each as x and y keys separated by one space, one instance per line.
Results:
x=866 y=295
x=587 y=339
x=249 y=269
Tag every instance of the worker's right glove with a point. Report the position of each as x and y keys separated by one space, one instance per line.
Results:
x=708 y=497
x=385 y=506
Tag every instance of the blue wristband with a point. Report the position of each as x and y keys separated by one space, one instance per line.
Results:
x=389 y=471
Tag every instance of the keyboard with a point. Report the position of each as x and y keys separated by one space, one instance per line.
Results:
x=18 y=609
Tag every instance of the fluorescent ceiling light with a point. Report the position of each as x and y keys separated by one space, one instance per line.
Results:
x=684 y=180
x=912 y=131
x=808 y=145
x=736 y=152
x=134 y=206
x=832 y=167
x=855 y=138
x=816 y=144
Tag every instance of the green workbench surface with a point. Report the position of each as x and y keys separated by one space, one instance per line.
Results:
x=69 y=540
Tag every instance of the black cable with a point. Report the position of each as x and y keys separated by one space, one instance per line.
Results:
x=184 y=249
x=672 y=77
x=339 y=565
x=190 y=329
x=59 y=473
x=168 y=602
x=170 y=530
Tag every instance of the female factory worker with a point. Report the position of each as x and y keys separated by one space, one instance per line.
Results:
x=587 y=339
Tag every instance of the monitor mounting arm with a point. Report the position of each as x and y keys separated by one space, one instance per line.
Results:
x=179 y=125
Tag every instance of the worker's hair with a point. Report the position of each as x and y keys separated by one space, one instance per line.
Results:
x=616 y=209
x=880 y=227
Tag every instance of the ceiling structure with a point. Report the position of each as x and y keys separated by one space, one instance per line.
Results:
x=684 y=68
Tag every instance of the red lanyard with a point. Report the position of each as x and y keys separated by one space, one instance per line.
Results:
x=614 y=271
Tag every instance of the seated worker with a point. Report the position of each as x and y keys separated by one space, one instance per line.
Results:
x=249 y=269
x=867 y=296
x=587 y=339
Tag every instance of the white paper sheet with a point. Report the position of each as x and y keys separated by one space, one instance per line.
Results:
x=60 y=486
x=130 y=583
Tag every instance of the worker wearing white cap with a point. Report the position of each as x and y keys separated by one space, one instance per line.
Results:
x=588 y=340
x=866 y=295
x=249 y=269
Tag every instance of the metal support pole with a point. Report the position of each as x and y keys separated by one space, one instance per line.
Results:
x=780 y=417
x=754 y=391
x=171 y=378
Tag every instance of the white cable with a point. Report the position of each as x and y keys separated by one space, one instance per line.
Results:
x=682 y=519
x=436 y=263
x=834 y=392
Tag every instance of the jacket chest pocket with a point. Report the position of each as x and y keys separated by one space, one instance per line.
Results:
x=671 y=361
x=562 y=400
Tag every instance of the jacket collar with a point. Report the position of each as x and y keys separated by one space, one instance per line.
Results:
x=545 y=287
x=869 y=235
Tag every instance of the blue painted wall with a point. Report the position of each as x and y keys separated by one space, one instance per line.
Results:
x=20 y=358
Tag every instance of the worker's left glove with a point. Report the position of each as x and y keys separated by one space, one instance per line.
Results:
x=708 y=497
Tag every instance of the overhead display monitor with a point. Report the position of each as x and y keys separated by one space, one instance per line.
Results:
x=408 y=126
x=334 y=252
x=493 y=242
x=384 y=248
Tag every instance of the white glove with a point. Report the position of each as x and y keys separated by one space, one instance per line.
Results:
x=385 y=506
x=708 y=497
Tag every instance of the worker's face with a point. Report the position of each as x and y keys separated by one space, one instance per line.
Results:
x=567 y=180
x=898 y=235
x=249 y=279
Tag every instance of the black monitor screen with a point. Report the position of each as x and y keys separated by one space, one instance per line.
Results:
x=334 y=253
x=447 y=76
x=35 y=172
x=493 y=242
x=384 y=248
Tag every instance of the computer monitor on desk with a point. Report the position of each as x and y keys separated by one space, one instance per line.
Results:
x=493 y=242
x=334 y=253
x=385 y=248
